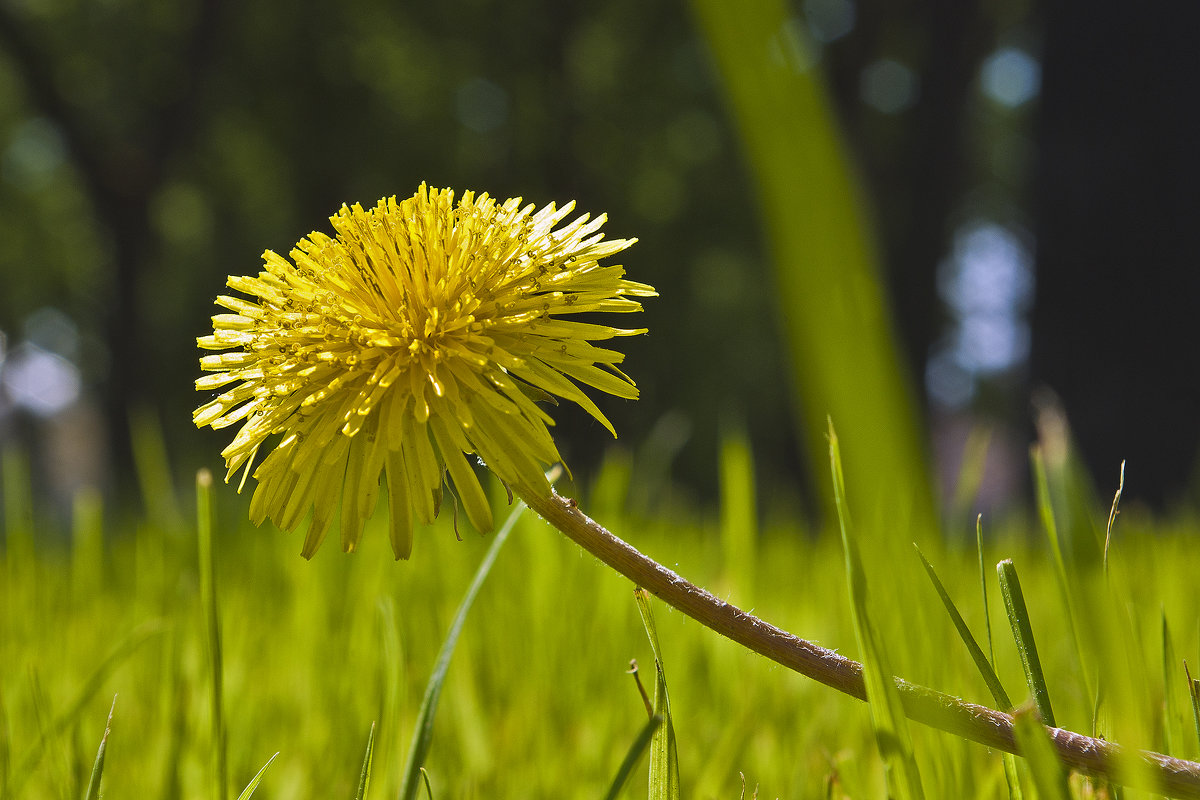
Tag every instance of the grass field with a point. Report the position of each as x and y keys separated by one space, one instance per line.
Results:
x=537 y=702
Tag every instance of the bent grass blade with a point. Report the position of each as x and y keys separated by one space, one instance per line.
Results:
x=664 y=753
x=887 y=712
x=636 y=750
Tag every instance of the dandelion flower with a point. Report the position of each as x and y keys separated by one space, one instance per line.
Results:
x=425 y=331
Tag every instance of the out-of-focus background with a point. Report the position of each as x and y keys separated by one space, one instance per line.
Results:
x=1030 y=174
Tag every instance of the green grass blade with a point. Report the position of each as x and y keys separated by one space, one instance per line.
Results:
x=1074 y=496
x=970 y=474
x=87 y=544
x=212 y=629
x=887 y=713
x=977 y=655
x=257 y=779
x=154 y=470
x=636 y=750
x=1194 y=693
x=1112 y=515
x=423 y=730
x=983 y=582
x=5 y=746
x=1046 y=507
x=93 y=787
x=664 y=752
x=837 y=324
x=1171 y=717
x=1018 y=619
x=1012 y=775
x=1049 y=777
x=17 y=492
x=739 y=516
x=1061 y=572
x=364 y=777
x=393 y=677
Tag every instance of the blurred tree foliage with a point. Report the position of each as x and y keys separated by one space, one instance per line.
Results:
x=150 y=149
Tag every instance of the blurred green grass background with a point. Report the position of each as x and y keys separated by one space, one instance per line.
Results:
x=537 y=701
x=169 y=181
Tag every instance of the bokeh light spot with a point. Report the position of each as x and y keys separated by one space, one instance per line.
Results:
x=888 y=86
x=1011 y=77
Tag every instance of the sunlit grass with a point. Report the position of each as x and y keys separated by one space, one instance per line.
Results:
x=537 y=702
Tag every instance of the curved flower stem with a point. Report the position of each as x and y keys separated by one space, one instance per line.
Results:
x=1171 y=776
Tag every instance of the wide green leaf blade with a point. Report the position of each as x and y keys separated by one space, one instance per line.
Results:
x=832 y=304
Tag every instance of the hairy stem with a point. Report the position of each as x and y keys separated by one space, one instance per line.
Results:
x=1171 y=776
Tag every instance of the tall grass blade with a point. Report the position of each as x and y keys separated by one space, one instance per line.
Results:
x=256 y=780
x=977 y=655
x=1112 y=516
x=1046 y=507
x=887 y=714
x=739 y=517
x=18 y=510
x=1075 y=497
x=93 y=788
x=1194 y=693
x=1049 y=777
x=5 y=746
x=1171 y=717
x=364 y=776
x=836 y=320
x=154 y=470
x=1011 y=774
x=664 y=753
x=983 y=582
x=1065 y=587
x=423 y=730
x=970 y=474
x=175 y=694
x=393 y=678
x=1022 y=628
x=636 y=750
x=87 y=543
x=212 y=629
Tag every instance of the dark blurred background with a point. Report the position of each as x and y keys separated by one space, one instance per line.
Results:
x=1032 y=168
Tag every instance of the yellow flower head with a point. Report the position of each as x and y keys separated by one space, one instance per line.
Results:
x=424 y=331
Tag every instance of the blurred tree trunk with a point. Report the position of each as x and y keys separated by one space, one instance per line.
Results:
x=1115 y=322
x=120 y=176
x=915 y=163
